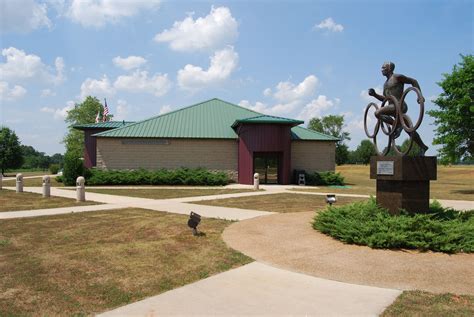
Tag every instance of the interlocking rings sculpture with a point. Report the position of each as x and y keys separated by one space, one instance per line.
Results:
x=400 y=121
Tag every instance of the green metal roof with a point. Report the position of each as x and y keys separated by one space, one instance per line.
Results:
x=300 y=133
x=102 y=125
x=209 y=119
x=267 y=119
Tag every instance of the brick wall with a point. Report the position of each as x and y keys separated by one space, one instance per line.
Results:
x=113 y=153
x=313 y=156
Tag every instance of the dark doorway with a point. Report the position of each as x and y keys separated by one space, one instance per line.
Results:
x=267 y=165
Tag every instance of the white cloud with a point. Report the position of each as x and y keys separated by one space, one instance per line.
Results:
x=288 y=92
x=364 y=94
x=21 y=66
x=267 y=92
x=96 y=87
x=213 y=31
x=23 y=16
x=96 y=13
x=139 y=82
x=258 y=106
x=290 y=96
x=330 y=25
x=123 y=110
x=165 y=109
x=223 y=63
x=14 y=93
x=317 y=107
x=47 y=93
x=59 y=113
x=130 y=62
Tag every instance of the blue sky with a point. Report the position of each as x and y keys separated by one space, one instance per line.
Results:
x=297 y=59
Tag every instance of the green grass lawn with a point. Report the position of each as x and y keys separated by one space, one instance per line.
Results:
x=418 y=303
x=84 y=263
x=11 y=201
x=286 y=202
x=33 y=182
x=166 y=193
x=454 y=182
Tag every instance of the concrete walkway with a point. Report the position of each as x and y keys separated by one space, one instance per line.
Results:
x=177 y=205
x=260 y=289
x=55 y=211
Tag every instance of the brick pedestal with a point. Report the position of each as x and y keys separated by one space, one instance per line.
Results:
x=403 y=182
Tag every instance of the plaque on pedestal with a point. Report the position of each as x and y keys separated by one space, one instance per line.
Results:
x=403 y=182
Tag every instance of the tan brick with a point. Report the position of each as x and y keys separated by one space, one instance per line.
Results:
x=313 y=156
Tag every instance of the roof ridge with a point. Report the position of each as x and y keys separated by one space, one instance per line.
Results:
x=237 y=106
x=316 y=132
x=177 y=110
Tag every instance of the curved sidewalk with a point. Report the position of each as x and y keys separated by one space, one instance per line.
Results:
x=289 y=242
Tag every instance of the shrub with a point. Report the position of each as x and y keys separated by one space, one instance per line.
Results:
x=365 y=223
x=54 y=168
x=73 y=167
x=324 y=178
x=180 y=176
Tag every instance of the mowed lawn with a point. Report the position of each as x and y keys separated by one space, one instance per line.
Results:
x=166 y=193
x=11 y=201
x=84 y=263
x=453 y=183
x=418 y=303
x=33 y=182
x=285 y=202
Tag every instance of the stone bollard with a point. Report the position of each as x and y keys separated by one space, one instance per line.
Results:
x=1 y=181
x=256 y=181
x=46 y=186
x=19 y=183
x=80 y=189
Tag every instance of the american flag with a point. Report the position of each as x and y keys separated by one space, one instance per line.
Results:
x=106 y=111
x=97 y=118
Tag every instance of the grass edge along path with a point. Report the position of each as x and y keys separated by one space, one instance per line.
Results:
x=420 y=303
x=12 y=201
x=284 y=202
x=86 y=263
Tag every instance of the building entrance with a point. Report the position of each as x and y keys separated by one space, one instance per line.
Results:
x=267 y=166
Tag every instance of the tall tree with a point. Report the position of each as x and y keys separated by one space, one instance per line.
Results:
x=82 y=113
x=364 y=151
x=10 y=150
x=333 y=125
x=455 y=116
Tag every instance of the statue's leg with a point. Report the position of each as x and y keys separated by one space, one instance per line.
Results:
x=417 y=139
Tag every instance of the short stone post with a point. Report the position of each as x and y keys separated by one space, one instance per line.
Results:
x=80 y=189
x=1 y=181
x=46 y=186
x=256 y=181
x=19 y=183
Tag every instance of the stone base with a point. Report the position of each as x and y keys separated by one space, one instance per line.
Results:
x=403 y=182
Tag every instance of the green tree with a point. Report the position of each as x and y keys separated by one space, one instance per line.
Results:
x=364 y=151
x=10 y=150
x=415 y=149
x=333 y=125
x=455 y=117
x=82 y=113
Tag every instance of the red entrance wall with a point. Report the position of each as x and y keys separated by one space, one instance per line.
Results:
x=264 y=138
x=90 y=147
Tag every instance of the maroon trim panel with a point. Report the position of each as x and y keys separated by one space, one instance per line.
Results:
x=90 y=147
x=264 y=138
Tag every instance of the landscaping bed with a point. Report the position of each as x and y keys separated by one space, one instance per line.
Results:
x=365 y=223
x=84 y=263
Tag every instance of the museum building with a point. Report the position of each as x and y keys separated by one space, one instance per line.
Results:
x=215 y=135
